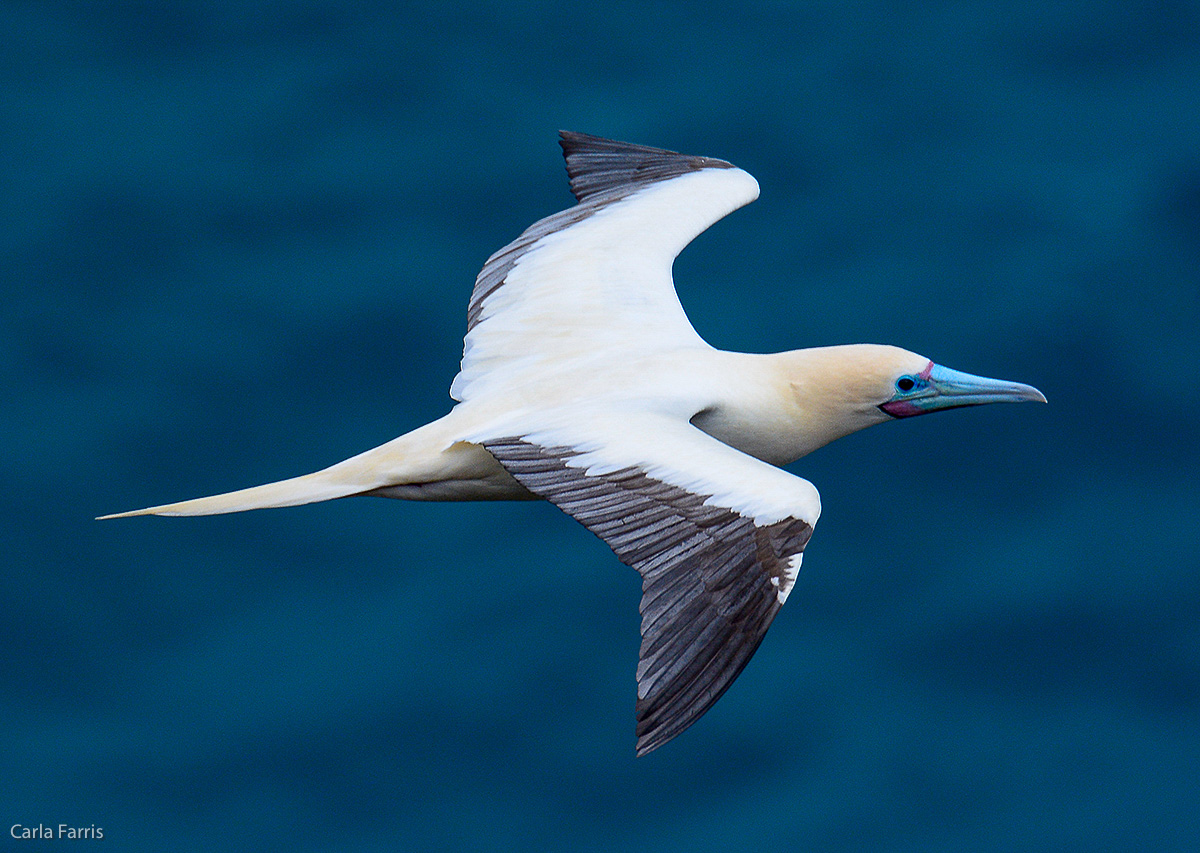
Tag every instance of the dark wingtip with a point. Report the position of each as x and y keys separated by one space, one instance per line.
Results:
x=574 y=142
x=598 y=165
x=571 y=140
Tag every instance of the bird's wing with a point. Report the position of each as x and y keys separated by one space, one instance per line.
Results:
x=597 y=276
x=716 y=535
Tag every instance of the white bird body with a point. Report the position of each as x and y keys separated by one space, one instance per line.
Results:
x=758 y=404
x=583 y=382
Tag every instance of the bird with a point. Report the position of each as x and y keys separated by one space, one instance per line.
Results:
x=582 y=382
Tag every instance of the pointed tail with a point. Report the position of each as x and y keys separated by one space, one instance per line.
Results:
x=319 y=486
x=430 y=454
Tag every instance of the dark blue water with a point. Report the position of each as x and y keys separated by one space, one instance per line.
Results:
x=237 y=245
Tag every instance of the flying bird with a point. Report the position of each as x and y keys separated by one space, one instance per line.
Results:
x=583 y=383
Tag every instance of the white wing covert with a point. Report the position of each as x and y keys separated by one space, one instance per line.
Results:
x=597 y=276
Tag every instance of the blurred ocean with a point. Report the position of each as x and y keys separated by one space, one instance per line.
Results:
x=238 y=241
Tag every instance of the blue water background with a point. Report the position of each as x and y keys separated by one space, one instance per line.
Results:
x=237 y=245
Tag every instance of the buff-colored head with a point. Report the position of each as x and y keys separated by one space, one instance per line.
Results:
x=842 y=389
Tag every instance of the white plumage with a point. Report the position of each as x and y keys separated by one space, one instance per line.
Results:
x=583 y=382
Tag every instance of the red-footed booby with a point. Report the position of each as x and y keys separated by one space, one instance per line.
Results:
x=583 y=383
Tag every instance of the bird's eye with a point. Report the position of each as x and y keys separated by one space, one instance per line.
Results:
x=905 y=384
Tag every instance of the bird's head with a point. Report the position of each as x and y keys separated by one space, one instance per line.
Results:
x=843 y=389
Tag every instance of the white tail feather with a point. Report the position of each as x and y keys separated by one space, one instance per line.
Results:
x=429 y=463
x=310 y=488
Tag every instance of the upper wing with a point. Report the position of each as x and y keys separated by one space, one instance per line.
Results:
x=596 y=276
x=717 y=536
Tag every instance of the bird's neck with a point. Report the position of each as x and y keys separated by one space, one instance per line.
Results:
x=782 y=406
x=833 y=390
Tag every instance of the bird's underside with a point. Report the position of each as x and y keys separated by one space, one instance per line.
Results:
x=583 y=383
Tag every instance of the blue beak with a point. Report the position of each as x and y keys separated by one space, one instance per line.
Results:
x=936 y=388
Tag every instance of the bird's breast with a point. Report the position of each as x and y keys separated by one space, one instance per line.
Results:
x=764 y=435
